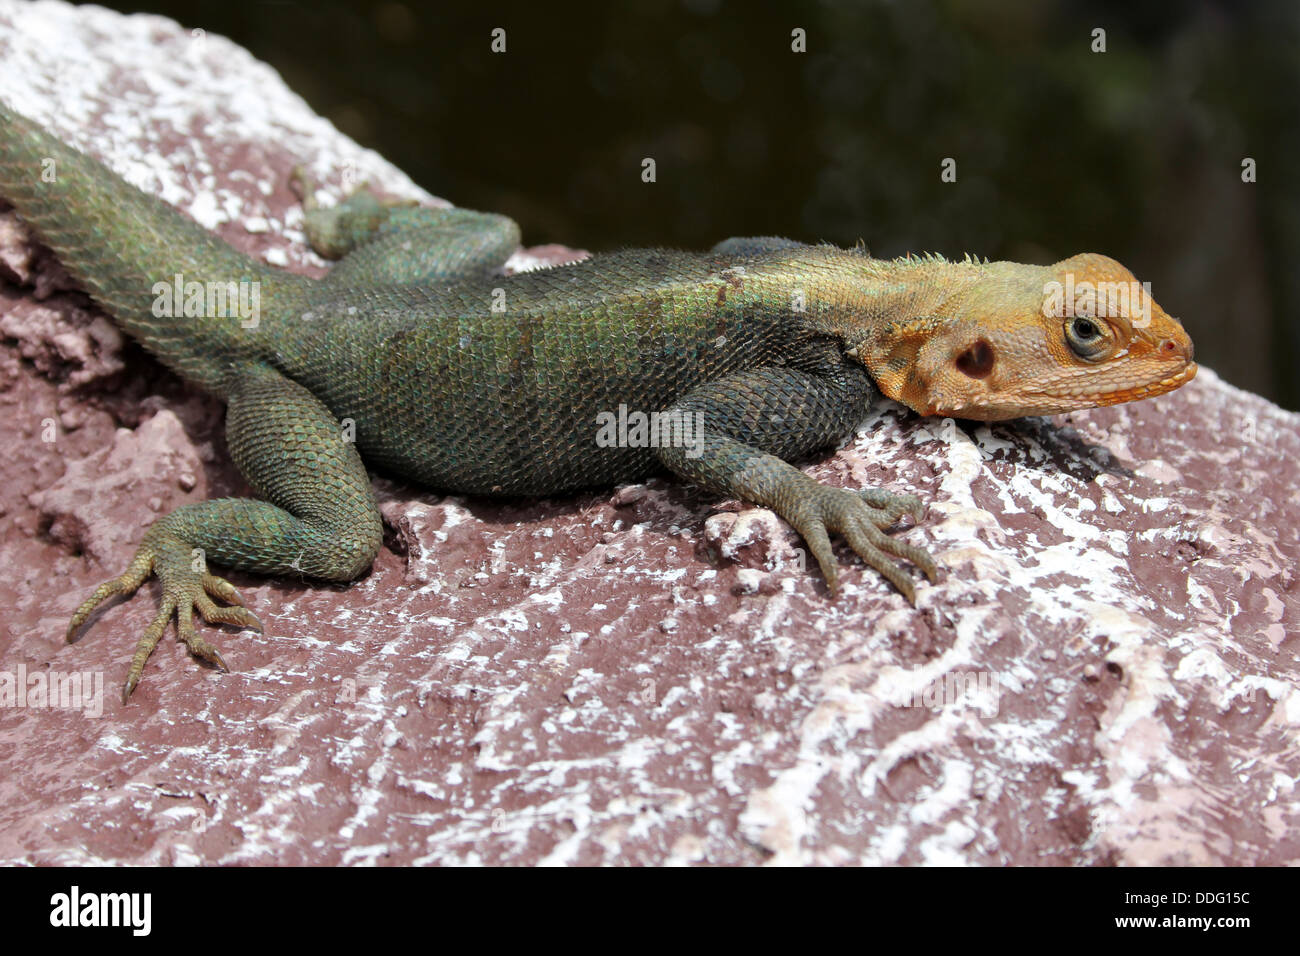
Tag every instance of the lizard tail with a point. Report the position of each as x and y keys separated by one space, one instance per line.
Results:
x=127 y=249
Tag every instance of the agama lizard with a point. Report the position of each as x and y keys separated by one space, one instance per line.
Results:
x=415 y=356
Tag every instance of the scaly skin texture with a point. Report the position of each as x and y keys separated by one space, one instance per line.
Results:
x=414 y=357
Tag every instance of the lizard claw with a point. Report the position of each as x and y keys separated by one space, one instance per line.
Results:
x=185 y=590
x=303 y=186
x=893 y=504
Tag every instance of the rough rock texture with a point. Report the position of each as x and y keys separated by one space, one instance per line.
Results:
x=1105 y=674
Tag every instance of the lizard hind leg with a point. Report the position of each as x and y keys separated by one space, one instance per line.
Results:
x=320 y=519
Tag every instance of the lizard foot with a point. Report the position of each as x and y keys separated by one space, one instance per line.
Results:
x=185 y=590
x=862 y=518
x=334 y=231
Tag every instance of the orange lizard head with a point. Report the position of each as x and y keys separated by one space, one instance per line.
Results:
x=1031 y=340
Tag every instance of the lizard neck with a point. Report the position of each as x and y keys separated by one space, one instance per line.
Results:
x=890 y=311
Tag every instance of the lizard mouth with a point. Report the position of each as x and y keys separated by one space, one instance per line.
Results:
x=1058 y=400
x=1119 y=393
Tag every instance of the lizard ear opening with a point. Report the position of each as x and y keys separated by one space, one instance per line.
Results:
x=978 y=360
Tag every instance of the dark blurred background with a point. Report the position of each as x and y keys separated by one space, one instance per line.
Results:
x=1135 y=152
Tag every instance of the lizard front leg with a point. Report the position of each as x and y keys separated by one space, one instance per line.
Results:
x=753 y=420
x=320 y=519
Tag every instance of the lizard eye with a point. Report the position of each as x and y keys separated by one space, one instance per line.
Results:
x=1087 y=338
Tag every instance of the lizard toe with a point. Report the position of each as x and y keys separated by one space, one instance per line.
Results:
x=144 y=647
x=190 y=636
x=125 y=584
x=873 y=547
x=221 y=588
x=903 y=549
x=891 y=504
x=814 y=534
x=215 y=614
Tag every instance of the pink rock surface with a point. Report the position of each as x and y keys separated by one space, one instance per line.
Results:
x=1106 y=672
